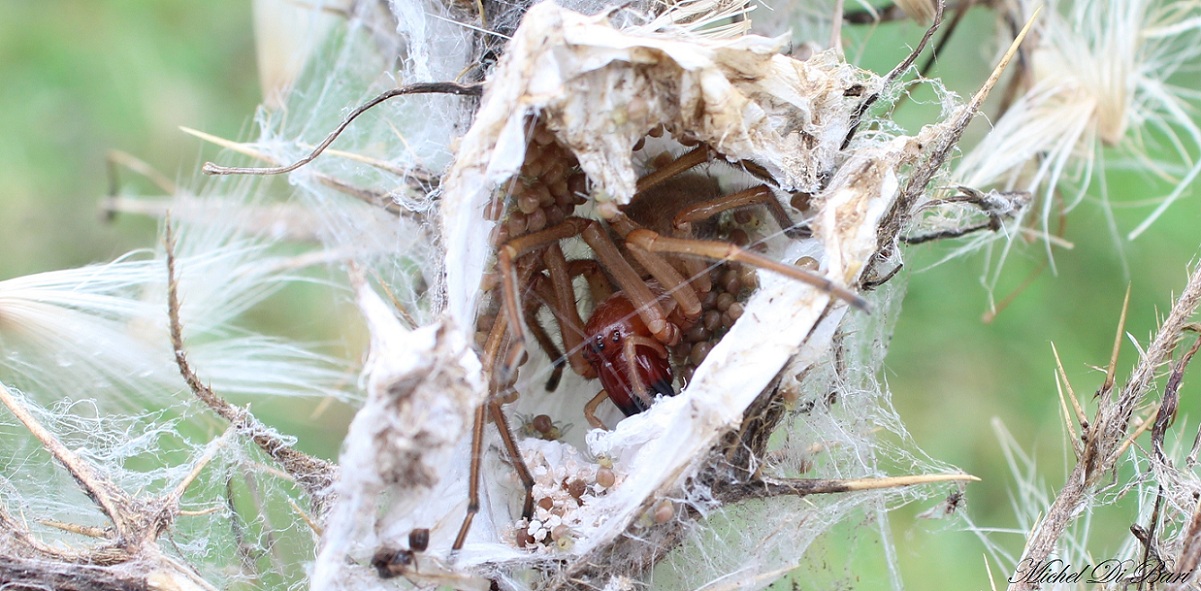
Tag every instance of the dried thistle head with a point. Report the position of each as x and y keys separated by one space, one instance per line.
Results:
x=714 y=485
x=596 y=91
x=1101 y=89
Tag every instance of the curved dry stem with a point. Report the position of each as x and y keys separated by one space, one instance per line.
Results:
x=418 y=88
x=316 y=476
x=768 y=488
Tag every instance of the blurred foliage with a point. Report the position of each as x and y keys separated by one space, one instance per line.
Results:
x=81 y=78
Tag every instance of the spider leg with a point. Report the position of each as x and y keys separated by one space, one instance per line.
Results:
x=494 y=345
x=645 y=301
x=670 y=279
x=590 y=410
x=510 y=443
x=544 y=297
x=598 y=239
x=473 y=485
x=687 y=161
x=506 y=262
x=724 y=251
x=598 y=285
x=571 y=326
x=761 y=195
x=492 y=407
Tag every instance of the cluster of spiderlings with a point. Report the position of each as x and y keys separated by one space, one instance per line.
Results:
x=730 y=284
x=720 y=308
x=545 y=192
x=685 y=140
x=560 y=489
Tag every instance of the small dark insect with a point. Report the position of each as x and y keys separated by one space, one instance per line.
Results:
x=392 y=562
x=396 y=562
x=946 y=508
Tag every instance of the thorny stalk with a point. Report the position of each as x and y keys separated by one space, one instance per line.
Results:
x=1104 y=440
x=936 y=154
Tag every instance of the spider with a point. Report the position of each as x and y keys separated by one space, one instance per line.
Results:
x=662 y=281
x=655 y=297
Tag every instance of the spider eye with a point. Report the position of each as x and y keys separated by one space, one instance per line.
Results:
x=616 y=336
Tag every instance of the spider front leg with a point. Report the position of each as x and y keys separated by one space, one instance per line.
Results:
x=560 y=300
x=544 y=296
x=687 y=292
x=673 y=283
x=756 y=196
x=492 y=407
x=652 y=313
x=724 y=251
x=498 y=338
x=571 y=326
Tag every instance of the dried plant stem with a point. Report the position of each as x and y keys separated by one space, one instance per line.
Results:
x=767 y=488
x=131 y=544
x=83 y=530
x=1190 y=555
x=117 y=159
x=896 y=73
x=316 y=476
x=1106 y=438
x=172 y=498
x=940 y=148
x=26 y=574
x=16 y=534
x=369 y=196
x=113 y=501
x=936 y=154
x=418 y=88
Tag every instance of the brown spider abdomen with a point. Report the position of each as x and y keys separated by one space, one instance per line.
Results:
x=630 y=380
x=655 y=208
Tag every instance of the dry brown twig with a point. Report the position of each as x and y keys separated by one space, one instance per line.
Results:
x=415 y=176
x=418 y=88
x=314 y=475
x=130 y=546
x=127 y=554
x=369 y=196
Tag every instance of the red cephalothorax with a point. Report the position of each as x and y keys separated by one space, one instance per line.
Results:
x=632 y=366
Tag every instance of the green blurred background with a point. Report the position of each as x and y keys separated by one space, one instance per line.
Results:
x=80 y=78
